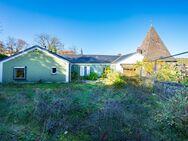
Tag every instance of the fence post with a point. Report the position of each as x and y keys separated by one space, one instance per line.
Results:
x=155 y=71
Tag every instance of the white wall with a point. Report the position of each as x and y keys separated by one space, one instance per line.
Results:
x=133 y=59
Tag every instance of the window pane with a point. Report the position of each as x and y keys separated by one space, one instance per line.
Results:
x=54 y=70
x=88 y=70
x=85 y=71
x=81 y=70
x=19 y=73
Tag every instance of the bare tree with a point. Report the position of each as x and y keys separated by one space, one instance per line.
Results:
x=2 y=47
x=51 y=43
x=15 y=45
x=54 y=44
x=42 y=39
x=20 y=45
x=74 y=49
x=11 y=44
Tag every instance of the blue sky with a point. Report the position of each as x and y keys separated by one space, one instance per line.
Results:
x=97 y=26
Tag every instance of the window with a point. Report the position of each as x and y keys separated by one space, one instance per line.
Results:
x=84 y=70
x=141 y=51
x=87 y=70
x=19 y=73
x=54 y=70
x=81 y=70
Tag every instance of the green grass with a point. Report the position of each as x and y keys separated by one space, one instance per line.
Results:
x=84 y=112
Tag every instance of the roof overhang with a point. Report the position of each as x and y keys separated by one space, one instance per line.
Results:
x=31 y=49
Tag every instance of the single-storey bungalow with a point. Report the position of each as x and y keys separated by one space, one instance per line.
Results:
x=34 y=64
x=37 y=64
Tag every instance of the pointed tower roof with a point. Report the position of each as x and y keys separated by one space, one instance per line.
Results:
x=153 y=47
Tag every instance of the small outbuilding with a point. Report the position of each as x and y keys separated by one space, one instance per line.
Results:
x=35 y=64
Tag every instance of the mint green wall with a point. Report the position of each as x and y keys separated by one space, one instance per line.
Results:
x=38 y=66
x=98 y=68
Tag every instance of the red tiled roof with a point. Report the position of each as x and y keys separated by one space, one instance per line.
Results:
x=7 y=52
x=62 y=52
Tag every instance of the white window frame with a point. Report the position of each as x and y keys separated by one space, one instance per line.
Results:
x=82 y=70
x=88 y=70
x=52 y=70
x=14 y=77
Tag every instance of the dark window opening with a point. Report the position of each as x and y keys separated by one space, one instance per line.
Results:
x=19 y=73
x=130 y=69
x=54 y=70
x=85 y=70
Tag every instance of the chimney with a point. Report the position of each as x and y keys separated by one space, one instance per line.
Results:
x=81 y=51
x=139 y=50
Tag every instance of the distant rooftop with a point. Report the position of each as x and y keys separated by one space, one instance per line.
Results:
x=123 y=57
x=91 y=58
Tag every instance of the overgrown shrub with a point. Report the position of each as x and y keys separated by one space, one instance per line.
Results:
x=146 y=66
x=125 y=119
x=106 y=71
x=119 y=83
x=172 y=118
x=137 y=81
x=165 y=71
x=168 y=72
x=85 y=112
x=74 y=75
x=113 y=78
x=92 y=76
x=184 y=81
x=107 y=123
x=59 y=113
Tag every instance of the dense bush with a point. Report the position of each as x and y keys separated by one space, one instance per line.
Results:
x=110 y=77
x=126 y=119
x=168 y=72
x=137 y=81
x=102 y=115
x=165 y=71
x=62 y=114
x=146 y=66
x=92 y=76
x=172 y=118
x=74 y=75
x=106 y=71
x=184 y=81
